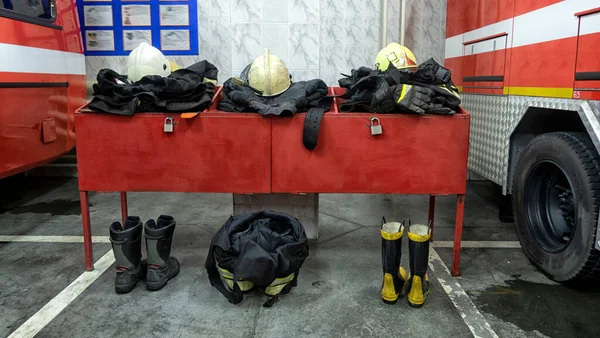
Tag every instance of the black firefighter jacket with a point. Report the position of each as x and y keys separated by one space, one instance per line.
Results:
x=300 y=97
x=187 y=89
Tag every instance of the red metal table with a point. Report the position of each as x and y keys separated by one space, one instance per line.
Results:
x=248 y=153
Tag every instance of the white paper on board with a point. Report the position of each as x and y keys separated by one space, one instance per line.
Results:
x=133 y=38
x=175 y=39
x=97 y=15
x=174 y=15
x=100 y=40
x=136 y=15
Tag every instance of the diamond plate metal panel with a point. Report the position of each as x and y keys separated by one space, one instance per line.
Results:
x=488 y=152
x=495 y=117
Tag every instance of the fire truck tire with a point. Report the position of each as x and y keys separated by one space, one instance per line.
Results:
x=556 y=196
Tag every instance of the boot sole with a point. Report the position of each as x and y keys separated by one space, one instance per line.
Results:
x=151 y=286
x=389 y=302
x=125 y=288
x=416 y=305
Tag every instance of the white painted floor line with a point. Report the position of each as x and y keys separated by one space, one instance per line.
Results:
x=468 y=311
x=55 y=306
x=479 y=244
x=53 y=239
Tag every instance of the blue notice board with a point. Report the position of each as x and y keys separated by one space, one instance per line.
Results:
x=116 y=27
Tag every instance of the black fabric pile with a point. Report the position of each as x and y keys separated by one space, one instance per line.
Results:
x=300 y=97
x=366 y=88
x=257 y=247
x=188 y=89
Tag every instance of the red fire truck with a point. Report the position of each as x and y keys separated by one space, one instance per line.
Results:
x=42 y=81
x=529 y=72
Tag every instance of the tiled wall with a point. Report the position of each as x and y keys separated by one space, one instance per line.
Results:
x=316 y=38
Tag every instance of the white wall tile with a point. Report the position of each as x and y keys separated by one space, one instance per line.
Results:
x=246 y=11
x=316 y=38
x=364 y=8
x=393 y=30
x=246 y=44
x=275 y=37
x=203 y=8
x=274 y=11
x=185 y=61
x=333 y=8
x=336 y=32
x=393 y=9
x=362 y=57
x=218 y=7
x=432 y=16
x=214 y=31
x=334 y=60
x=220 y=56
x=303 y=46
x=304 y=75
x=303 y=10
x=236 y=72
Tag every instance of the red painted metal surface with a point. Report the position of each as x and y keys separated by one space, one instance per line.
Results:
x=414 y=155
x=24 y=139
x=213 y=152
x=588 y=12
x=87 y=230
x=490 y=37
x=458 y=225
x=588 y=61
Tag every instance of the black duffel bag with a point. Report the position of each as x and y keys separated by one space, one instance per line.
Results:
x=263 y=250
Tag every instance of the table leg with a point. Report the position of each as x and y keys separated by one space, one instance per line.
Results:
x=87 y=230
x=123 y=206
x=460 y=205
x=431 y=215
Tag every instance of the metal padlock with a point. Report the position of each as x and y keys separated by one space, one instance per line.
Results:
x=376 y=126
x=168 y=127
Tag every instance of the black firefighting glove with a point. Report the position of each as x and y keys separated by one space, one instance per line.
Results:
x=415 y=99
x=439 y=109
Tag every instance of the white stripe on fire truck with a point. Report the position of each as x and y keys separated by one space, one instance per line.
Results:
x=23 y=59
x=549 y=23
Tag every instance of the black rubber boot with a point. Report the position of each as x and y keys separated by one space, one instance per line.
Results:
x=417 y=284
x=394 y=276
x=161 y=267
x=126 y=242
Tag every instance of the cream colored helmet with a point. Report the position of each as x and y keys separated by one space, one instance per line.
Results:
x=269 y=75
x=396 y=54
x=146 y=60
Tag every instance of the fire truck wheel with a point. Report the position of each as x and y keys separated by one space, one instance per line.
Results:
x=556 y=196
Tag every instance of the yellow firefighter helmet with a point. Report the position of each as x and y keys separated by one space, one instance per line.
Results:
x=396 y=54
x=269 y=75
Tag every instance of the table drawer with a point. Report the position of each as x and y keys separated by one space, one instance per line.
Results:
x=414 y=155
x=213 y=152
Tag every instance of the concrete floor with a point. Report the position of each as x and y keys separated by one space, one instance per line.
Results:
x=338 y=291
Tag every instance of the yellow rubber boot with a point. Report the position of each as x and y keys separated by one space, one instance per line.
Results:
x=417 y=284
x=394 y=276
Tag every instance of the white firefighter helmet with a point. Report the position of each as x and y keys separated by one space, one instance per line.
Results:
x=396 y=54
x=269 y=75
x=146 y=60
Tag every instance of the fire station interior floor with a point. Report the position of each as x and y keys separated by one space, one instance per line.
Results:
x=45 y=291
